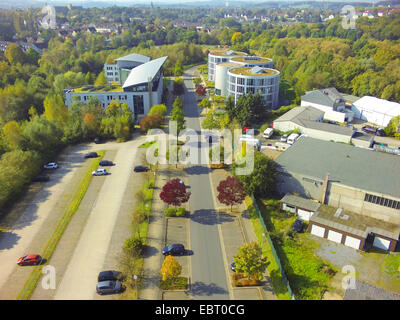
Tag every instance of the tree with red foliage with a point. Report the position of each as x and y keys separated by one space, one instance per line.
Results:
x=151 y=122
x=201 y=91
x=174 y=193
x=231 y=191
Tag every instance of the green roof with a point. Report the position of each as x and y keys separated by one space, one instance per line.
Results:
x=96 y=89
x=364 y=169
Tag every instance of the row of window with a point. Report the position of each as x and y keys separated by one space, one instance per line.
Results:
x=241 y=89
x=125 y=97
x=252 y=82
x=382 y=201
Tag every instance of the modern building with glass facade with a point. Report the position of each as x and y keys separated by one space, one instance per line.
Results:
x=243 y=80
x=142 y=88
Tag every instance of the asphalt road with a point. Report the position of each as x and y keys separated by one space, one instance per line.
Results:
x=208 y=269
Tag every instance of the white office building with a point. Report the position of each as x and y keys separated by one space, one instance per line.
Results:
x=142 y=88
x=216 y=57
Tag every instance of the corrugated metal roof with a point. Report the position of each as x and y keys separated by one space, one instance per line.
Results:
x=306 y=113
x=348 y=165
x=144 y=73
x=134 y=57
x=378 y=105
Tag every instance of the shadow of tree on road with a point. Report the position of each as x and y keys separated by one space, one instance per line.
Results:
x=210 y=217
x=202 y=289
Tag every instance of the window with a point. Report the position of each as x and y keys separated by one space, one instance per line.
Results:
x=240 y=89
x=250 y=82
x=138 y=104
x=382 y=201
x=240 y=81
x=250 y=89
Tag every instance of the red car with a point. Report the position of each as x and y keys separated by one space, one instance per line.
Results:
x=29 y=260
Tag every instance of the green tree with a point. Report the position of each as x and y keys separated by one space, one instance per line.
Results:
x=55 y=109
x=204 y=103
x=178 y=70
x=160 y=109
x=14 y=54
x=262 y=181
x=101 y=79
x=211 y=121
x=249 y=260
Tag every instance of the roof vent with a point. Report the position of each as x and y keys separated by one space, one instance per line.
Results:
x=338 y=213
x=230 y=52
x=344 y=217
x=257 y=69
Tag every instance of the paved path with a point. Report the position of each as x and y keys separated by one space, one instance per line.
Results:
x=80 y=278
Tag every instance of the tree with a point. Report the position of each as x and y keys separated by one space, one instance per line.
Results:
x=150 y=122
x=12 y=134
x=231 y=191
x=101 y=79
x=249 y=260
x=174 y=193
x=204 y=103
x=55 y=109
x=170 y=268
x=178 y=70
x=178 y=87
x=160 y=109
x=14 y=54
x=262 y=181
x=211 y=121
x=201 y=91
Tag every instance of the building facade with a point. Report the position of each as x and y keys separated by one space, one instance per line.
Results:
x=141 y=90
x=216 y=57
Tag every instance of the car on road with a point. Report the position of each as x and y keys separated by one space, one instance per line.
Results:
x=91 y=155
x=284 y=138
x=99 y=172
x=109 y=275
x=97 y=140
x=109 y=286
x=174 y=249
x=297 y=226
x=141 y=169
x=30 y=260
x=51 y=165
x=106 y=163
x=41 y=178
x=372 y=130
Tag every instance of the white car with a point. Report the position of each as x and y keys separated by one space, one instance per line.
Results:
x=284 y=138
x=51 y=165
x=99 y=172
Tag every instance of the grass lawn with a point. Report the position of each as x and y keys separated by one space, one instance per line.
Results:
x=308 y=275
x=179 y=283
x=391 y=266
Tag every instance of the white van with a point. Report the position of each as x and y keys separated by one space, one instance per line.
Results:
x=292 y=138
x=268 y=133
x=251 y=141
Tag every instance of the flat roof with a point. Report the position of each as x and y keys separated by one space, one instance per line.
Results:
x=252 y=59
x=97 y=89
x=136 y=57
x=228 y=64
x=378 y=105
x=301 y=202
x=354 y=223
x=144 y=72
x=301 y=113
x=247 y=71
x=226 y=53
x=360 y=168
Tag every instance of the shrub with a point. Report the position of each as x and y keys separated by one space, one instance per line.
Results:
x=160 y=109
x=150 y=122
x=180 y=212
x=170 y=212
x=133 y=246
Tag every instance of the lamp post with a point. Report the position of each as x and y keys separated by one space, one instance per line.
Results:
x=148 y=213
x=135 y=278
x=262 y=241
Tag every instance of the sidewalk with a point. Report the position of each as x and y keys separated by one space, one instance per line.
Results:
x=243 y=226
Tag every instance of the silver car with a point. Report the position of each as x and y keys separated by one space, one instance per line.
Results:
x=99 y=172
x=284 y=138
x=110 y=286
x=51 y=165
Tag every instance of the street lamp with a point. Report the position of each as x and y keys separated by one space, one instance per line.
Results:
x=262 y=241
x=135 y=278
x=148 y=212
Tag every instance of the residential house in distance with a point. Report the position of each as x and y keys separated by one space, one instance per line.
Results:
x=363 y=184
x=142 y=88
x=331 y=102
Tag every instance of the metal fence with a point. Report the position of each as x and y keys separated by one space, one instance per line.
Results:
x=272 y=247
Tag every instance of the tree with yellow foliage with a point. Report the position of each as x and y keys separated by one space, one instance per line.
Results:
x=170 y=268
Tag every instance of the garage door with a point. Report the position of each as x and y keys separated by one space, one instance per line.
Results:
x=304 y=215
x=335 y=236
x=381 y=243
x=352 y=242
x=317 y=231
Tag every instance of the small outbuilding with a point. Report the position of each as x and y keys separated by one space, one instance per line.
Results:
x=304 y=208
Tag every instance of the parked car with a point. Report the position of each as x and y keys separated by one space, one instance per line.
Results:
x=41 y=178
x=30 y=260
x=141 y=169
x=91 y=155
x=109 y=286
x=97 y=140
x=106 y=163
x=372 y=130
x=297 y=226
x=233 y=267
x=284 y=138
x=100 y=172
x=51 y=165
x=109 y=275
x=173 y=249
